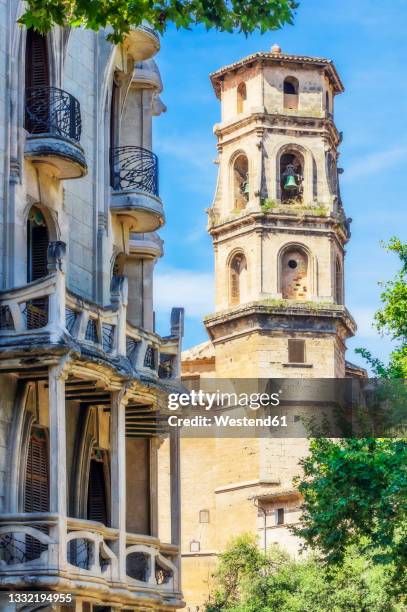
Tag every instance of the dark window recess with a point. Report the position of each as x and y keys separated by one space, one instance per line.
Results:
x=280 y=516
x=91 y=333
x=36 y=71
x=97 y=506
x=37 y=245
x=296 y=351
x=36 y=487
x=36 y=497
x=150 y=358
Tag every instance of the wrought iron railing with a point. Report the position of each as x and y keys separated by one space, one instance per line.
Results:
x=50 y=110
x=134 y=168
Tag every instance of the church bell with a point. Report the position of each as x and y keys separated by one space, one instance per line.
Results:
x=290 y=182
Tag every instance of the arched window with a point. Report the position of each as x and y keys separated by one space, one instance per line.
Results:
x=291 y=93
x=327 y=105
x=294 y=274
x=241 y=98
x=97 y=507
x=338 y=282
x=36 y=78
x=241 y=186
x=238 y=279
x=37 y=245
x=291 y=177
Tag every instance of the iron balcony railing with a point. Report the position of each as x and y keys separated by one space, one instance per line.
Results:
x=49 y=110
x=134 y=168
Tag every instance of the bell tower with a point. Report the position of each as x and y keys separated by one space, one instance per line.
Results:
x=277 y=221
x=279 y=232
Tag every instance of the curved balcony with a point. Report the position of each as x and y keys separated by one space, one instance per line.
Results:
x=142 y=42
x=146 y=246
x=135 y=188
x=53 y=120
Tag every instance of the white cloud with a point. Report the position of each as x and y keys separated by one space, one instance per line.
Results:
x=375 y=162
x=192 y=290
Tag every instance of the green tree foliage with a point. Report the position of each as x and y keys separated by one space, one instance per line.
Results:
x=355 y=493
x=391 y=319
x=120 y=15
x=248 y=580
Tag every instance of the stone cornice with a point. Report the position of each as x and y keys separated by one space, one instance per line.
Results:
x=271 y=316
x=280 y=123
x=280 y=222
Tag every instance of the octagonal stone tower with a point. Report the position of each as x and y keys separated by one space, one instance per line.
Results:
x=277 y=220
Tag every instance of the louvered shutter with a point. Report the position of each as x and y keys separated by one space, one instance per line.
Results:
x=296 y=351
x=38 y=244
x=37 y=83
x=97 y=507
x=36 y=498
x=37 y=73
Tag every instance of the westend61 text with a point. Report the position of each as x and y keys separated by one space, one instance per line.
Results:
x=227 y=421
x=207 y=401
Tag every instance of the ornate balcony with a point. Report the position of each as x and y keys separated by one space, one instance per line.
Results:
x=53 y=122
x=90 y=555
x=135 y=188
x=43 y=316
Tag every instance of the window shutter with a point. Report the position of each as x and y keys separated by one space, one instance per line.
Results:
x=36 y=497
x=39 y=248
x=296 y=351
x=97 y=507
x=37 y=73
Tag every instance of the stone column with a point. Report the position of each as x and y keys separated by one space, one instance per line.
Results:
x=148 y=307
x=118 y=477
x=175 y=488
x=57 y=463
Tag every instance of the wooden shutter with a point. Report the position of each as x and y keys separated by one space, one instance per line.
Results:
x=296 y=351
x=36 y=65
x=37 y=247
x=97 y=507
x=36 y=495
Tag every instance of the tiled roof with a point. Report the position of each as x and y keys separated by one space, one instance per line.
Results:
x=272 y=57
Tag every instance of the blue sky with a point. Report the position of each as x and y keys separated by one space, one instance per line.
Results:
x=366 y=39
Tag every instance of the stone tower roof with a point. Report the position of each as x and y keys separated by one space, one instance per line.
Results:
x=277 y=57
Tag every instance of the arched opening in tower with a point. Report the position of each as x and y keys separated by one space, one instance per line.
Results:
x=238 y=279
x=290 y=93
x=291 y=177
x=338 y=282
x=241 y=98
x=241 y=187
x=294 y=274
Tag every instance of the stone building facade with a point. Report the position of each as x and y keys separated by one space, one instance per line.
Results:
x=82 y=371
x=279 y=232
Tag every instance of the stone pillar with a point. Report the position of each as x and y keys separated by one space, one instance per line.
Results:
x=175 y=488
x=154 y=443
x=57 y=463
x=134 y=273
x=118 y=477
x=148 y=306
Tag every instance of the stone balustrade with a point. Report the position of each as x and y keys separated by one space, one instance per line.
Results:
x=45 y=314
x=30 y=543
